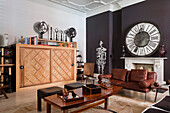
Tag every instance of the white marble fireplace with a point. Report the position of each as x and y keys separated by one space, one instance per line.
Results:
x=155 y=64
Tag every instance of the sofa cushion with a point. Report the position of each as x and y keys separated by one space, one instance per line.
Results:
x=119 y=74
x=133 y=86
x=116 y=82
x=138 y=75
x=146 y=83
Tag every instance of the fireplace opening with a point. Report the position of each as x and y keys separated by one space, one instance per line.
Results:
x=149 y=67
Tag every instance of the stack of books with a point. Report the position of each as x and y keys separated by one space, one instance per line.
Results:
x=31 y=40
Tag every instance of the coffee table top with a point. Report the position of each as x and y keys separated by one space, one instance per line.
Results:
x=105 y=93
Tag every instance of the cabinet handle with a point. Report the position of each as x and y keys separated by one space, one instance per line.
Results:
x=72 y=64
x=21 y=67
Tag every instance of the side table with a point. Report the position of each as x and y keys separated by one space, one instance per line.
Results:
x=161 y=89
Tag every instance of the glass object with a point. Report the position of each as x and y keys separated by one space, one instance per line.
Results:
x=106 y=82
x=4 y=40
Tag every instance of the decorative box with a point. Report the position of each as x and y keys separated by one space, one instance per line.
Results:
x=91 y=89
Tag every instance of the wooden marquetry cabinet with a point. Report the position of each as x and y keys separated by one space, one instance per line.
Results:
x=37 y=64
x=62 y=65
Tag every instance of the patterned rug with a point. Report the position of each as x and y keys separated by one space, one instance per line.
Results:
x=116 y=103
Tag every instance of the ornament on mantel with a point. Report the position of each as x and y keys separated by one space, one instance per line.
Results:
x=123 y=51
x=162 y=51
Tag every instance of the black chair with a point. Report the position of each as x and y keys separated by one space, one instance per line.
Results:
x=153 y=110
x=163 y=106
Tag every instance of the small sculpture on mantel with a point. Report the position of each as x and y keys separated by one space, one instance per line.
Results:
x=162 y=51
x=123 y=51
x=101 y=58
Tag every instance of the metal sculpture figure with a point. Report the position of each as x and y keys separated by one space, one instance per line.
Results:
x=101 y=58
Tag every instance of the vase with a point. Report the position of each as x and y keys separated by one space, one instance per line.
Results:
x=162 y=51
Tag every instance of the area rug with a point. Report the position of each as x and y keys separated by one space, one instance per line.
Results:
x=116 y=103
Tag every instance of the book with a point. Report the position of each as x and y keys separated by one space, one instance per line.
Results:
x=31 y=40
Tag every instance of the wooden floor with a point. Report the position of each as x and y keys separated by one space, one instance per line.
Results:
x=28 y=95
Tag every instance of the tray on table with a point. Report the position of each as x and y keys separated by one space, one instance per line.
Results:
x=71 y=96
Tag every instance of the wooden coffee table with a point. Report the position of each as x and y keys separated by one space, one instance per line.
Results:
x=88 y=99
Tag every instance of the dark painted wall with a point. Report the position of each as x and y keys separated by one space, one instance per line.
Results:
x=117 y=40
x=155 y=11
x=98 y=28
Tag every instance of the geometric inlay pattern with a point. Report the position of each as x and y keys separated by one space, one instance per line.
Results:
x=36 y=66
x=61 y=65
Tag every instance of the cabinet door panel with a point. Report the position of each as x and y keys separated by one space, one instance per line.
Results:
x=36 y=64
x=61 y=65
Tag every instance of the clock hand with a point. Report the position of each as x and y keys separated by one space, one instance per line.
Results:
x=141 y=35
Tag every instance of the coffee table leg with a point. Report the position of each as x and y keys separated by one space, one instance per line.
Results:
x=106 y=103
x=48 y=108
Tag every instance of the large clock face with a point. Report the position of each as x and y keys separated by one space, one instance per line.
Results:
x=143 y=39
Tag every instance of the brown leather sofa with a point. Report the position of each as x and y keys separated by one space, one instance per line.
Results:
x=136 y=79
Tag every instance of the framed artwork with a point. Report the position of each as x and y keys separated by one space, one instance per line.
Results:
x=8 y=61
x=8 y=52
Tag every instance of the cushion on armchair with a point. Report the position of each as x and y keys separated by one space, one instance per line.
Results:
x=138 y=75
x=119 y=74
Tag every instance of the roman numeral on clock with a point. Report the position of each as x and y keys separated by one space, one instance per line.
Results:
x=142 y=26
x=155 y=38
x=154 y=30
x=131 y=46
x=135 y=50
x=129 y=40
x=141 y=51
x=131 y=34
x=148 y=50
x=135 y=29
x=152 y=44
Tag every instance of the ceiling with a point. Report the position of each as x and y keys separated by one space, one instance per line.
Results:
x=89 y=5
x=84 y=5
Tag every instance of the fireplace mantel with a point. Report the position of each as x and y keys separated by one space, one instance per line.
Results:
x=159 y=58
x=158 y=65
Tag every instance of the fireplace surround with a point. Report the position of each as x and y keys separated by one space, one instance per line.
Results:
x=155 y=64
